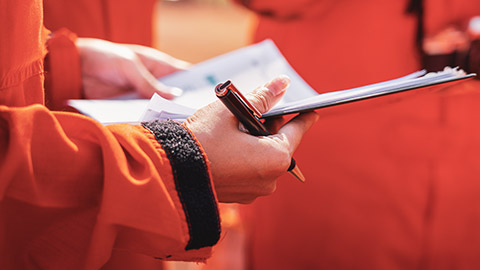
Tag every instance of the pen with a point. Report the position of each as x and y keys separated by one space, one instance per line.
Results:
x=249 y=116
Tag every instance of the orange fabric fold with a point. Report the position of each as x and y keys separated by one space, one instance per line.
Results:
x=75 y=194
x=63 y=78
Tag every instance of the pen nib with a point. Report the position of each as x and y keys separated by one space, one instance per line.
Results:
x=297 y=173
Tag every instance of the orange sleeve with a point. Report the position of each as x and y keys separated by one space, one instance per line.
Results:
x=123 y=21
x=63 y=75
x=75 y=191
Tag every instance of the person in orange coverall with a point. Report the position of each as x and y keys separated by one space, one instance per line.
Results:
x=391 y=183
x=78 y=195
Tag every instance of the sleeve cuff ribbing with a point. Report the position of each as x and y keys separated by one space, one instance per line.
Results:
x=192 y=181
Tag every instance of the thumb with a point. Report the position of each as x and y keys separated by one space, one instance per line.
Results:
x=146 y=84
x=265 y=97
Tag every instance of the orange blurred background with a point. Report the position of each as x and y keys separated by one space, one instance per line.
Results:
x=213 y=27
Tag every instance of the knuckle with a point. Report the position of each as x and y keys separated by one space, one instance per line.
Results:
x=268 y=187
x=264 y=103
x=282 y=156
x=262 y=100
x=246 y=201
x=285 y=159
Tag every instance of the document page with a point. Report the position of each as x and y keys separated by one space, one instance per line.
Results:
x=249 y=67
x=111 y=111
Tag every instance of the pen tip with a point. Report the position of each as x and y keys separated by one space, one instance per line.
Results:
x=298 y=174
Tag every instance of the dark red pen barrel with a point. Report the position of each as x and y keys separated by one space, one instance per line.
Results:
x=238 y=109
x=248 y=116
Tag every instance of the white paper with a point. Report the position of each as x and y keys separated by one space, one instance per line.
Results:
x=248 y=67
x=160 y=108
x=111 y=111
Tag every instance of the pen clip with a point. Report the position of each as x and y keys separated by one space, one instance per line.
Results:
x=245 y=102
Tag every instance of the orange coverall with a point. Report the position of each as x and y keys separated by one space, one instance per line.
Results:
x=386 y=182
x=123 y=21
x=391 y=183
x=78 y=195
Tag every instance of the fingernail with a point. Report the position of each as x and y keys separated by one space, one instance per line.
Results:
x=285 y=79
x=176 y=91
x=279 y=84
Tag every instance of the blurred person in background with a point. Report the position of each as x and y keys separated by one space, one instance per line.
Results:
x=391 y=185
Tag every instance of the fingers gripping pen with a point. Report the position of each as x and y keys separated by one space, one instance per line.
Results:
x=249 y=116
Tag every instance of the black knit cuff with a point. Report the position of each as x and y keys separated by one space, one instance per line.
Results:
x=192 y=181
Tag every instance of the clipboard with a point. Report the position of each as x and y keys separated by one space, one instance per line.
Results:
x=416 y=80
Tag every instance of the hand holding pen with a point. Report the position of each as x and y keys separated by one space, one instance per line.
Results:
x=249 y=116
x=243 y=166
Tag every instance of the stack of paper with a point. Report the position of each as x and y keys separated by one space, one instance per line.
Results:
x=412 y=81
x=415 y=80
x=248 y=67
